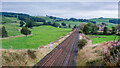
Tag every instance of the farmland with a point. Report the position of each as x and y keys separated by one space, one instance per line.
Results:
x=44 y=34
x=105 y=20
x=41 y=35
x=12 y=29
x=72 y=23
x=101 y=38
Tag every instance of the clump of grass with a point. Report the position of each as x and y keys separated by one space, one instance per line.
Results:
x=12 y=57
x=31 y=54
x=93 y=62
x=95 y=51
x=82 y=43
x=94 y=47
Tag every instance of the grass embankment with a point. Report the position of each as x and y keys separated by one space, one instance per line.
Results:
x=101 y=38
x=41 y=35
x=22 y=57
x=89 y=54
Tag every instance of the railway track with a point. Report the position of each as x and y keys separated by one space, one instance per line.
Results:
x=62 y=55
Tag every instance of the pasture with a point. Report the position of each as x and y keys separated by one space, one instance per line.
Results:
x=12 y=29
x=10 y=19
x=72 y=23
x=104 y=20
x=101 y=38
x=41 y=36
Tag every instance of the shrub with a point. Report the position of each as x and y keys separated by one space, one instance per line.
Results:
x=80 y=31
x=82 y=43
x=25 y=31
x=21 y=23
x=114 y=30
x=111 y=58
x=31 y=54
x=105 y=30
x=75 y=26
x=93 y=62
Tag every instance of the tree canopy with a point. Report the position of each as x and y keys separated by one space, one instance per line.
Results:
x=4 y=32
x=25 y=31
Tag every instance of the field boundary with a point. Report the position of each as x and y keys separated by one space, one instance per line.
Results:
x=15 y=36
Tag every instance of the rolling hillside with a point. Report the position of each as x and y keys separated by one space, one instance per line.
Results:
x=104 y=20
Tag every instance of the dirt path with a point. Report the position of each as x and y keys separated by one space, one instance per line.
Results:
x=15 y=36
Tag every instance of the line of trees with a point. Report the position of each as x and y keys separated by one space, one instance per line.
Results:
x=91 y=28
x=57 y=24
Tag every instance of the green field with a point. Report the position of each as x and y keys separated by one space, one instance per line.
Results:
x=12 y=29
x=45 y=18
x=42 y=35
x=101 y=38
x=10 y=19
x=66 y=22
x=101 y=20
x=104 y=20
x=71 y=23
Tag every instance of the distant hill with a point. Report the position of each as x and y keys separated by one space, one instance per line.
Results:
x=10 y=17
x=105 y=20
x=110 y=22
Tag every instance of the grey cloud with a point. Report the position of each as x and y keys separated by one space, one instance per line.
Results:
x=64 y=9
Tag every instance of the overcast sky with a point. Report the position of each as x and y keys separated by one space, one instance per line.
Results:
x=65 y=9
x=60 y=0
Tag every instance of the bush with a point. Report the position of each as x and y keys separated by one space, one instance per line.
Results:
x=25 y=31
x=82 y=43
x=114 y=30
x=111 y=58
x=80 y=31
x=86 y=29
x=31 y=54
x=105 y=30
x=93 y=62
